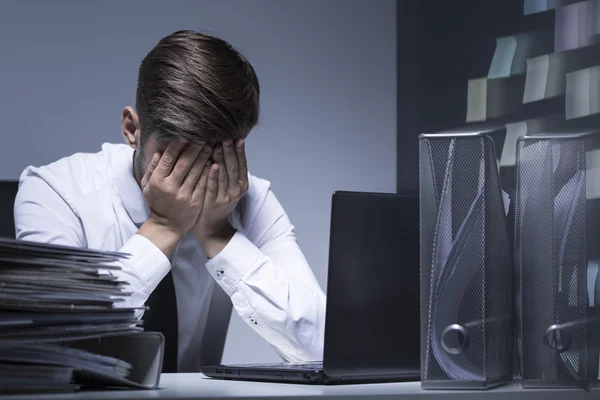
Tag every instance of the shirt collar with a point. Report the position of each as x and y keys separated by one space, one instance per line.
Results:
x=129 y=190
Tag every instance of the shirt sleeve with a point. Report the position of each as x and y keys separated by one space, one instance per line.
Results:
x=53 y=221
x=271 y=285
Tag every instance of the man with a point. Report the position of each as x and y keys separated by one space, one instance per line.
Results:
x=178 y=198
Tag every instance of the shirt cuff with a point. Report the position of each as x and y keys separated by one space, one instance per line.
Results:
x=237 y=260
x=146 y=261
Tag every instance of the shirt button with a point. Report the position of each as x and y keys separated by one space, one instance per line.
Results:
x=252 y=320
x=220 y=273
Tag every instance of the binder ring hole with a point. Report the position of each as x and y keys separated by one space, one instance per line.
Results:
x=558 y=338
x=455 y=339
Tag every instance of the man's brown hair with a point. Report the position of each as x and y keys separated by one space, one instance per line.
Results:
x=196 y=87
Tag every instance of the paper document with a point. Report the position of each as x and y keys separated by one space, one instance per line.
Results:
x=50 y=295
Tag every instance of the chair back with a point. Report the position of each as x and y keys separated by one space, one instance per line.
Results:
x=8 y=193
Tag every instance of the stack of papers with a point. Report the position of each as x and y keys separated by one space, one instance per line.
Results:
x=50 y=295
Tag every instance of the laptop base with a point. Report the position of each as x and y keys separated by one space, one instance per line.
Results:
x=297 y=374
x=266 y=373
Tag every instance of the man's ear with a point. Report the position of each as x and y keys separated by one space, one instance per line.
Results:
x=130 y=125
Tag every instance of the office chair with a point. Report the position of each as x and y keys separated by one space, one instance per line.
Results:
x=220 y=304
x=8 y=192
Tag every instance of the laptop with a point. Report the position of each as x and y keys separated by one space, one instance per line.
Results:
x=372 y=323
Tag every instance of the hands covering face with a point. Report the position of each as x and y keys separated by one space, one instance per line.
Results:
x=196 y=187
x=227 y=183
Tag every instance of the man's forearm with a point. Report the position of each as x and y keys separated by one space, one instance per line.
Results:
x=162 y=237
x=213 y=244
x=167 y=240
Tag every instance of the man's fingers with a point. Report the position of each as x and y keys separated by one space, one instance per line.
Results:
x=200 y=188
x=150 y=169
x=184 y=163
x=222 y=173
x=195 y=172
x=231 y=163
x=212 y=186
x=169 y=158
x=240 y=151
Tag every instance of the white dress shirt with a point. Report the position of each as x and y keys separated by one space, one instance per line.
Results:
x=93 y=201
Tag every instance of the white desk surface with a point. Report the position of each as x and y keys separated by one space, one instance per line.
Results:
x=197 y=386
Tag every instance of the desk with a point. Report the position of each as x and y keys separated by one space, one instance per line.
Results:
x=197 y=386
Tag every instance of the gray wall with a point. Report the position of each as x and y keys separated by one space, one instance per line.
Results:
x=328 y=77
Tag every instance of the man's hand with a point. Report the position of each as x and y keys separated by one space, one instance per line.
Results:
x=227 y=183
x=174 y=187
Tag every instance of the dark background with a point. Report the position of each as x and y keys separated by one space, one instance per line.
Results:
x=441 y=45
